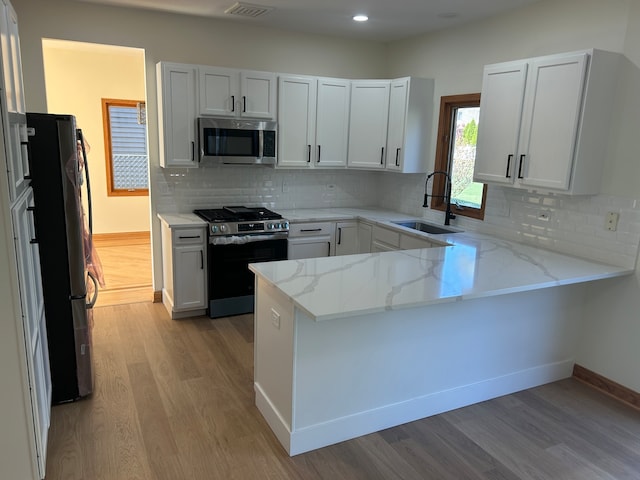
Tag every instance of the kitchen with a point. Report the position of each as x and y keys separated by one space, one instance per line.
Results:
x=609 y=349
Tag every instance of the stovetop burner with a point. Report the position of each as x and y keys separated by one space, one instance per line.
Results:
x=237 y=214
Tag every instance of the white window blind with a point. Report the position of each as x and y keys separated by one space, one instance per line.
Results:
x=128 y=149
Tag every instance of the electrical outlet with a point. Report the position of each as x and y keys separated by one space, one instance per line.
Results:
x=611 y=222
x=275 y=319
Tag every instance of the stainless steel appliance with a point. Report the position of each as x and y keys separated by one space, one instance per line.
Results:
x=227 y=140
x=57 y=174
x=237 y=237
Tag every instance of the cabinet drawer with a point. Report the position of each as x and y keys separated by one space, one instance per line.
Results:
x=408 y=243
x=311 y=229
x=385 y=235
x=188 y=236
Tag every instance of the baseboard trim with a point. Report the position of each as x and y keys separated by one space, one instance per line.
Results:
x=611 y=388
x=157 y=296
x=120 y=238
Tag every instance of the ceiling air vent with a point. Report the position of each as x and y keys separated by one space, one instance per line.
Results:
x=247 y=10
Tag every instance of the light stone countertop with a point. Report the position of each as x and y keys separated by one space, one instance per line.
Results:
x=473 y=266
x=181 y=220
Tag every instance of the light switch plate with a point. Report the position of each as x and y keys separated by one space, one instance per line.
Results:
x=611 y=222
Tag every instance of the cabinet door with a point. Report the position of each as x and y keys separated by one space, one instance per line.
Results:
x=365 y=231
x=189 y=277
x=219 y=91
x=408 y=242
x=551 y=120
x=347 y=238
x=258 y=94
x=368 y=124
x=12 y=65
x=397 y=116
x=17 y=154
x=503 y=89
x=296 y=121
x=32 y=306
x=177 y=115
x=332 y=122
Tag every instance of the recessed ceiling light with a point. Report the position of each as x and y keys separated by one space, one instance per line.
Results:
x=360 y=18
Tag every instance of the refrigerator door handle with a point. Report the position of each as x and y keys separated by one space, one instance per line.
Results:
x=80 y=137
x=95 y=291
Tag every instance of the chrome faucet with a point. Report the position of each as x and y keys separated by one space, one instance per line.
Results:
x=447 y=196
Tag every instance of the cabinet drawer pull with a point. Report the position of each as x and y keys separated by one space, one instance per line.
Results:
x=382 y=156
x=520 y=166
x=233 y=103
x=308 y=153
x=311 y=230
x=188 y=237
x=509 y=158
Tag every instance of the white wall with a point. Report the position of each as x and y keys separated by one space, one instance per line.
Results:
x=78 y=76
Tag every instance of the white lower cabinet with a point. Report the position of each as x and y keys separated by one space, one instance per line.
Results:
x=311 y=240
x=365 y=231
x=347 y=238
x=33 y=319
x=184 y=261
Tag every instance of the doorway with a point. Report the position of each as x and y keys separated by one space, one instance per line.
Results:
x=78 y=78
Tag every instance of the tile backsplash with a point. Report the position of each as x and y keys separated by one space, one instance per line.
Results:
x=571 y=225
x=181 y=190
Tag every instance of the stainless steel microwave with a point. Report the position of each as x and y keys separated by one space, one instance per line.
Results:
x=237 y=141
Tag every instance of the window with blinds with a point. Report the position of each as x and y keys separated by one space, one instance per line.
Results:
x=125 y=138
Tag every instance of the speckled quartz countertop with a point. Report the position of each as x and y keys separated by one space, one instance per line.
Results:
x=473 y=266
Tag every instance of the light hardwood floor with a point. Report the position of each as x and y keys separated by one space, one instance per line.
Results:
x=174 y=400
x=126 y=263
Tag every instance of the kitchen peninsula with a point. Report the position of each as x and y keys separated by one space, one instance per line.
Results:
x=349 y=345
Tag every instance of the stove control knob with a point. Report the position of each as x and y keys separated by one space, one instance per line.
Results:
x=271 y=226
x=223 y=228
x=285 y=225
x=214 y=229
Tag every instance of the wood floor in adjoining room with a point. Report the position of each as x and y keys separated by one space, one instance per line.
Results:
x=126 y=264
x=174 y=400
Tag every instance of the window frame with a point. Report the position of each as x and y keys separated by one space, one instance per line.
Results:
x=106 y=125
x=448 y=105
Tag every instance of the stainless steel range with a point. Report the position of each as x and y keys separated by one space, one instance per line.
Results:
x=239 y=236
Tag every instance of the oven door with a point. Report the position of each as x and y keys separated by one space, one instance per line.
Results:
x=231 y=283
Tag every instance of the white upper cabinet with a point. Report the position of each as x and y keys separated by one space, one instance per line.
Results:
x=332 y=122
x=177 y=101
x=368 y=124
x=410 y=113
x=313 y=116
x=543 y=122
x=237 y=93
x=296 y=121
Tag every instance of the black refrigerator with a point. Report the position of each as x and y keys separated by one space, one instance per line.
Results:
x=59 y=177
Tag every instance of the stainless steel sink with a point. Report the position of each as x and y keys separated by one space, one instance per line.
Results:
x=425 y=227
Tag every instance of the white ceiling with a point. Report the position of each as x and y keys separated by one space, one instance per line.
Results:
x=388 y=19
